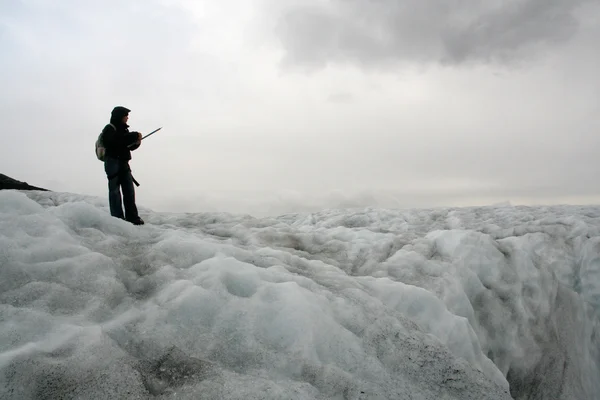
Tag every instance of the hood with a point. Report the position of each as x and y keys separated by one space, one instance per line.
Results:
x=117 y=115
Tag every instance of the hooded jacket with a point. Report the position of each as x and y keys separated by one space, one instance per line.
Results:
x=116 y=142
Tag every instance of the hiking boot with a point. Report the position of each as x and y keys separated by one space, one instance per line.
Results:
x=137 y=221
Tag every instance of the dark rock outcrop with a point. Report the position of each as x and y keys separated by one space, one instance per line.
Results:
x=7 y=182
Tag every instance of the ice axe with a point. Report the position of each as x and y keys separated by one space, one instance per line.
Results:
x=144 y=137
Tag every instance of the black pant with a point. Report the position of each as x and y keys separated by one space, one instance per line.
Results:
x=119 y=177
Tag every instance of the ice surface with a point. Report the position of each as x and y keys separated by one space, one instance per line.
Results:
x=473 y=303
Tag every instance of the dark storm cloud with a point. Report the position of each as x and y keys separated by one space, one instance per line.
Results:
x=371 y=32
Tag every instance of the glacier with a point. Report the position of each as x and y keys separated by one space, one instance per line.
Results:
x=494 y=302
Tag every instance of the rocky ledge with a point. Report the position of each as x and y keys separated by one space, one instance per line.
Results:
x=7 y=182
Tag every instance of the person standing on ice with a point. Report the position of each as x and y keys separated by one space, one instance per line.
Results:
x=118 y=143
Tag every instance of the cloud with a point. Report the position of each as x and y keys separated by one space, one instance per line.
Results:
x=341 y=98
x=372 y=33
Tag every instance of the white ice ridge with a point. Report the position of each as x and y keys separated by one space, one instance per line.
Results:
x=472 y=303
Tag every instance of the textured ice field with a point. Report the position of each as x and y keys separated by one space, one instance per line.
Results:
x=473 y=303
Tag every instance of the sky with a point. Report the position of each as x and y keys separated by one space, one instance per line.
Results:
x=275 y=106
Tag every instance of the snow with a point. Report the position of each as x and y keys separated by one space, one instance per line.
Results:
x=457 y=303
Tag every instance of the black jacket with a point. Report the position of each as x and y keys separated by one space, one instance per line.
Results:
x=116 y=142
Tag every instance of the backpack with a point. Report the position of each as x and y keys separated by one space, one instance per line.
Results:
x=100 y=149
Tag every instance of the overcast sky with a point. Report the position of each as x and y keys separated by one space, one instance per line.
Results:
x=270 y=106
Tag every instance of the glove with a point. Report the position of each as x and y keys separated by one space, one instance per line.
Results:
x=137 y=144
